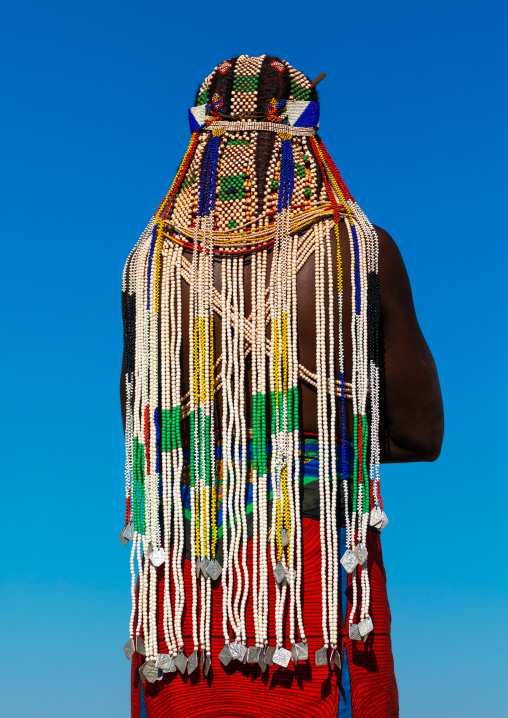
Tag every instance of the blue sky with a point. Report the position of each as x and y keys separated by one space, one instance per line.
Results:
x=93 y=126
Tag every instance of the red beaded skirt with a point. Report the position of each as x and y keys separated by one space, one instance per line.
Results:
x=365 y=687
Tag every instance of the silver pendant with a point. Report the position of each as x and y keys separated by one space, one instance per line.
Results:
x=214 y=569
x=129 y=649
x=270 y=650
x=142 y=675
x=208 y=663
x=378 y=519
x=192 y=662
x=300 y=652
x=284 y=537
x=280 y=573
x=321 y=657
x=170 y=668
x=335 y=659
x=181 y=662
x=157 y=557
x=165 y=662
x=365 y=627
x=203 y=566
x=150 y=672
x=238 y=650
x=233 y=648
x=262 y=663
x=253 y=653
x=281 y=656
x=140 y=646
x=361 y=554
x=349 y=561
x=127 y=534
x=354 y=633
x=225 y=656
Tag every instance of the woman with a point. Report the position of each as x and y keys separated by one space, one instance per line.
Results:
x=272 y=360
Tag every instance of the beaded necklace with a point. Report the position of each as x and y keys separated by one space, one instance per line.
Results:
x=219 y=210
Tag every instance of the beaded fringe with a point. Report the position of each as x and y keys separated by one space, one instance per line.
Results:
x=157 y=267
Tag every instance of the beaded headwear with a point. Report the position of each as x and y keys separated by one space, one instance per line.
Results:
x=255 y=180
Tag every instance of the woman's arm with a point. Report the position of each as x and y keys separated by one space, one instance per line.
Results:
x=413 y=419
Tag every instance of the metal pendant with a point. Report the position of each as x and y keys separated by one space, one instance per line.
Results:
x=233 y=647
x=335 y=659
x=214 y=569
x=171 y=667
x=208 y=663
x=280 y=573
x=253 y=654
x=157 y=557
x=365 y=627
x=127 y=533
x=284 y=537
x=349 y=561
x=321 y=657
x=270 y=650
x=281 y=656
x=378 y=519
x=300 y=652
x=181 y=662
x=192 y=662
x=205 y=562
x=225 y=656
x=140 y=646
x=354 y=633
x=129 y=649
x=262 y=663
x=150 y=672
x=142 y=675
x=165 y=662
x=360 y=551
x=160 y=675
x=238 y=650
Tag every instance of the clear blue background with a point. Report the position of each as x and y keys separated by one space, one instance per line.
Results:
x=93 y=126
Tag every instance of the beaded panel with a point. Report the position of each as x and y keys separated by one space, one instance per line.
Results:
x=245 y=85
x=237 y=192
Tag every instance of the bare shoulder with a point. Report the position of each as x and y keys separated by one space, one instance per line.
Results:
x=395 y=287
x=390 y=258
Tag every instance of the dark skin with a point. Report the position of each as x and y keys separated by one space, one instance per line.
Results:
x=412 y=420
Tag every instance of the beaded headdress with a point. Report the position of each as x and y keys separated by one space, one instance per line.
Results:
x=255 y=181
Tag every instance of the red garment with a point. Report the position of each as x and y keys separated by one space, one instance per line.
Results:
x=368 y=690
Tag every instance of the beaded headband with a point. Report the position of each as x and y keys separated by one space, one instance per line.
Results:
x=298 y=118
x=204 y=497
